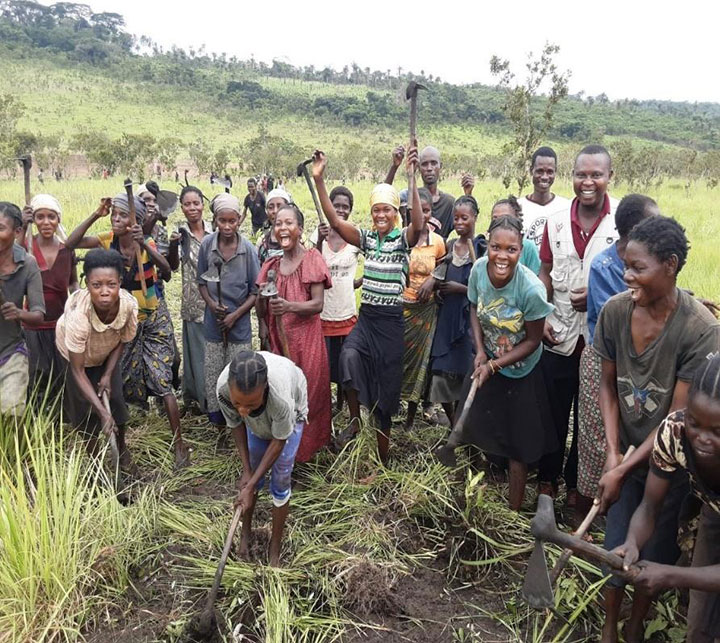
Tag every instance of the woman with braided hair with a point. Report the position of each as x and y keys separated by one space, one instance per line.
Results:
x=510 y=415
x=264 y=399
x=452 y=353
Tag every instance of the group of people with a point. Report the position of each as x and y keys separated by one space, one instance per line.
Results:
x=564 y=315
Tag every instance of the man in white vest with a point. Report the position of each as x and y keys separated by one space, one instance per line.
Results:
x=572 y=238
x=542 y=202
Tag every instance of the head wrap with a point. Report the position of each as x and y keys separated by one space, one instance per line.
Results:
x=225 y=201
x=278 y=192
x=46 y=202
x=121 y=203
x=385 y=193
x=49 y=202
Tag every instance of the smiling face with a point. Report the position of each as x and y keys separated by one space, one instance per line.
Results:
x=103 y=284
x=504 y=248
x=252 y=189
x=648 y=278
x=272 y=207
x=591 y=176
x=383 y=216
x=192 y=207
x=341 y=203
x=227 y=222
x=543 y=173
x=464 y=220
x=247 y=402
x=702 y=426
x=47 y=222
x=120 y=221
x=287 y=228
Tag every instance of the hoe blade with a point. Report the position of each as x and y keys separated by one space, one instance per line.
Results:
x=537 y=590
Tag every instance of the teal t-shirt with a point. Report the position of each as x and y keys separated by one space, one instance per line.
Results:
x=502 y=312
x=529 y=256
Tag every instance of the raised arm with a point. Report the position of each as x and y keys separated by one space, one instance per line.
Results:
x=149 y=246
x=77 y=238
x=397 y=158
x=345 y=229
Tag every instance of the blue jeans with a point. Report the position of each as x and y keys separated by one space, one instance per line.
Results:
x=281 y=471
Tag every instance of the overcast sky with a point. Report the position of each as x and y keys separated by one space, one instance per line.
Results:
x=628 y=48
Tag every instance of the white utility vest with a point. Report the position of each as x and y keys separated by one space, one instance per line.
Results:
x=570 y=272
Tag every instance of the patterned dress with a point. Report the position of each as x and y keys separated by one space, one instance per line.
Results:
x=306 y=344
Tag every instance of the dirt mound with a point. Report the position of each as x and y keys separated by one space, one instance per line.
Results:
x=369 y=588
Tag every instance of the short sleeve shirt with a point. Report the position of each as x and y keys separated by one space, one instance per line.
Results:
x=502 y=312
x=423 y=259
x=286 y=403
x=529 y=256
x=672 y=452
x=147 y=303
x=646 y=382
x=22 y=285
x=80 y=330
x=256 y=206
x=386 y=267
x=238 y=275
x=535 y=216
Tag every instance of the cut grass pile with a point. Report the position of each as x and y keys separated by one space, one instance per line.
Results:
x=75 y=564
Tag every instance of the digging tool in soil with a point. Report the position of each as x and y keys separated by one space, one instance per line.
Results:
x=538 y=585
x=446 y=453
x=204 y=627
x=537 y=589
x=117 y=478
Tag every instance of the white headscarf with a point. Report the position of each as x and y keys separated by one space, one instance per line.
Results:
x=278 y=192
x=49 y=202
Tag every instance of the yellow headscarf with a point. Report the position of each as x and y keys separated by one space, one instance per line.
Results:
x=387 y=194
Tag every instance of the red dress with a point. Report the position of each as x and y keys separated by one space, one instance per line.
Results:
x=306 y=344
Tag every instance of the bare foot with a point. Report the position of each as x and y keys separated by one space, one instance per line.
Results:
x=182 y=455
x=633 y=632
x=243 y=550
x=609 y=633
x=348 y=434
x=274 y=557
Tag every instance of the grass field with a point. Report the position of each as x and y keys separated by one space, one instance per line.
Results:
x=418 y=554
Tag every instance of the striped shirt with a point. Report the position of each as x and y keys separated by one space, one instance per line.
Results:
x=672 y=452
x=147 y=304
x=386 y=267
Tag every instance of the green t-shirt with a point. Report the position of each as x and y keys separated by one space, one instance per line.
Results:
x=502 y=312
x=530 y=256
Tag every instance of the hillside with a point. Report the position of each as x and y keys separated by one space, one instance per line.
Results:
x=82 y=84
